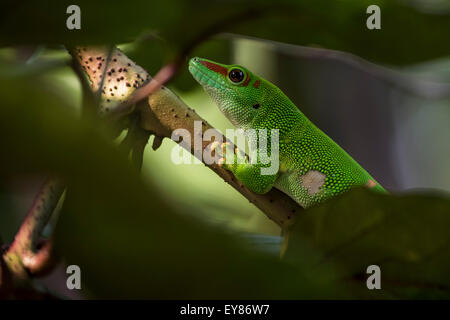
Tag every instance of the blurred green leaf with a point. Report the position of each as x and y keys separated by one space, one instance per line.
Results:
x=125 y=238
x=408 y=33
x=10 y=69
x=130 y=243
x=151 y=53
x=406 y=236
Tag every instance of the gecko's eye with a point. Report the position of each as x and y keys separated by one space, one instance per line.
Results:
x=236 y=75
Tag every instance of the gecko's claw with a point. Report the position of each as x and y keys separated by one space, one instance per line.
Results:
x=220 y=150
x=214 y=145
x=221 y=162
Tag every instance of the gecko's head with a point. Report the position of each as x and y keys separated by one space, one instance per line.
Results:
x=238 y=93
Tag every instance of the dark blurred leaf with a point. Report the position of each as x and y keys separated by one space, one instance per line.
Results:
x=7 y=213
x=10 y=69
x=407 y=236
x=407 y=34
x=151 y=53
x=130 y=244
x=127 y=241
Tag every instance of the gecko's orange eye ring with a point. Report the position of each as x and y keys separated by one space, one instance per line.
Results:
x=236 y=75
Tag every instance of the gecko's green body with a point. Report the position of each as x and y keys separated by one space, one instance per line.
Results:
x=312 y=166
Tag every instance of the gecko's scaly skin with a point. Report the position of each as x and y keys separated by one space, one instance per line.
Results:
x=312 y=167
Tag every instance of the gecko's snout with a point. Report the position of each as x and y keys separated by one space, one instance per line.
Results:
x=194 y=60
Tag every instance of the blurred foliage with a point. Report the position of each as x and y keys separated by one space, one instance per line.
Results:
x=406 y=236
x=126 y=239
x=200 y=191
x=136 y=237
x=409 y=33
x=130 y=243
x=151 y=54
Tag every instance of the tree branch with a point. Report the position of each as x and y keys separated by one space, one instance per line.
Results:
x=163 y=114
x=24 y=255
x=172 y=113
x=170 y=69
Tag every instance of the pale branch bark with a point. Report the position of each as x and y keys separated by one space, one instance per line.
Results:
x=164 y=112
x=98 y=93
x=24 y=256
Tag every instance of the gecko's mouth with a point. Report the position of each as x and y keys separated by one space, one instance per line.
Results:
x=204 y=79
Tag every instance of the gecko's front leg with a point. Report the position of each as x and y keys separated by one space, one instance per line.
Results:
x=250 y=174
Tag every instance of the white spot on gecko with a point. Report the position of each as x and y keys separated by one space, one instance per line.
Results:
x=370 y=183
x=312 y=181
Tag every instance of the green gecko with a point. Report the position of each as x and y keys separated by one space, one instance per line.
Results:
x=312 y=167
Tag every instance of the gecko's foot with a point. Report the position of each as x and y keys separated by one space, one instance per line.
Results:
x=220 y=150
x=221 y=162
x=226 y=158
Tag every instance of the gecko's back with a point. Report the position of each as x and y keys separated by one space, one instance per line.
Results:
x=314 y=168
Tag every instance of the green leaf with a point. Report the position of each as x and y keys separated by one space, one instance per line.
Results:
x=409 y=33
x=406 y=236
x=127 y=240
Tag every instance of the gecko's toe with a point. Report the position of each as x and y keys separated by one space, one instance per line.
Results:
x=226 y=145
x=214 y=145
x=221 y=150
